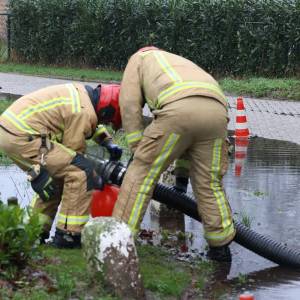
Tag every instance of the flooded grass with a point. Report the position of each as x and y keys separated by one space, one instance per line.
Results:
x=246 y=219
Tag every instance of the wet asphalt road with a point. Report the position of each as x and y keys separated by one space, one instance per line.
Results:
x=278 y=120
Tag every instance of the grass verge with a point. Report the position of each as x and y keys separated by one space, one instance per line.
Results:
x=61 y=274
x=283 y=88
x=82 y=74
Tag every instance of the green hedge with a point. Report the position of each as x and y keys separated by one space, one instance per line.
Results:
x=223 y=36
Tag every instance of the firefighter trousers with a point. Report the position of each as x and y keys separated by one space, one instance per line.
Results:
x=71 y=193
x=195 y=127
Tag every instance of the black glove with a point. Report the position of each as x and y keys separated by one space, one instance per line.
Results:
x=114 y=150
x=43 y=185
x=181 y=184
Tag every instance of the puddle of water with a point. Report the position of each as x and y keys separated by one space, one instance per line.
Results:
x=13 y=182
x=267 y=193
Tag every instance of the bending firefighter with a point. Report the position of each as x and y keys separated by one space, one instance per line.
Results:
x=190 y=124
x=44 y=133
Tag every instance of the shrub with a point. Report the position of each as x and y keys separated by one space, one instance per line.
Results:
x=19 y=237
x=222 y=36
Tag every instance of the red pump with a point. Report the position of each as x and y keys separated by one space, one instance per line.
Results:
x=103 y=202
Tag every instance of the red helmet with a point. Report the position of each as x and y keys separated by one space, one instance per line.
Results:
x=108 y=109
x=147 y=48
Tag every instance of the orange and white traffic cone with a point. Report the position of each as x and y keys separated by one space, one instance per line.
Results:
x=241 y=125
x=240 y=154
x=246 y=296
x=241 y=136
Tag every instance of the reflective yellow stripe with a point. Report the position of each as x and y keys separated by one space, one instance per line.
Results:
x=33 y=200
x=72 y=220
x=167 y=68
x=216 y=186
x=18 y=120
x=188 y=85
x=216 y=236
x=75 y=98
x=150 y=179
x=43 y=107
x=52 y=103
x=182 y=163
x=100 y=129
x=150 y=103
x=18 y=123
x=20 y=161
x=134 y=136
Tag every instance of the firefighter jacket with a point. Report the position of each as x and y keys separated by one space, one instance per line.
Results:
x=157 y=78
x=64 y=113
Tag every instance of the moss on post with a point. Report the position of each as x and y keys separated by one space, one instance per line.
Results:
x=109 y=249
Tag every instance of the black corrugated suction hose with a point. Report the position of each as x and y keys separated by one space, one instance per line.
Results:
x=246 y=237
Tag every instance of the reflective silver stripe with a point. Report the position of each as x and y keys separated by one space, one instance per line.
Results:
x=150 y=179
x=44 y=106
x=75 y=98
x=134 y=136
x=72 y=220
x=177 y=87
x=167 y=68
x=18 y=123
x=216 y=186
x=220 y=236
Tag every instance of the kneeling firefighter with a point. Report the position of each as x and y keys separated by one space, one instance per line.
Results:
x=45 y=134
x=190 y=124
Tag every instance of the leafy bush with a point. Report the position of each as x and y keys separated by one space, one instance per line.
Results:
x=19 y=237
x=222 y=36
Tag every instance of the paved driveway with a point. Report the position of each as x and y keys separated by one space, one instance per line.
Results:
x=266 y=118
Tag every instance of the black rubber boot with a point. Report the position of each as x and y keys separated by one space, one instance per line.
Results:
x=64 y=239
x=220 y=254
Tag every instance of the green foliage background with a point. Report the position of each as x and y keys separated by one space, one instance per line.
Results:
x=227 y=37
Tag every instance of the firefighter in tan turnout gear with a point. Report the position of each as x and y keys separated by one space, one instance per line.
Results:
x=44 y=133
x=190 y=123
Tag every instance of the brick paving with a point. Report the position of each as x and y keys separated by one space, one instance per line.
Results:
x=270 y=119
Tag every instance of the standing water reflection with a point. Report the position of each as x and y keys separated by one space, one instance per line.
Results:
x=266 y=195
